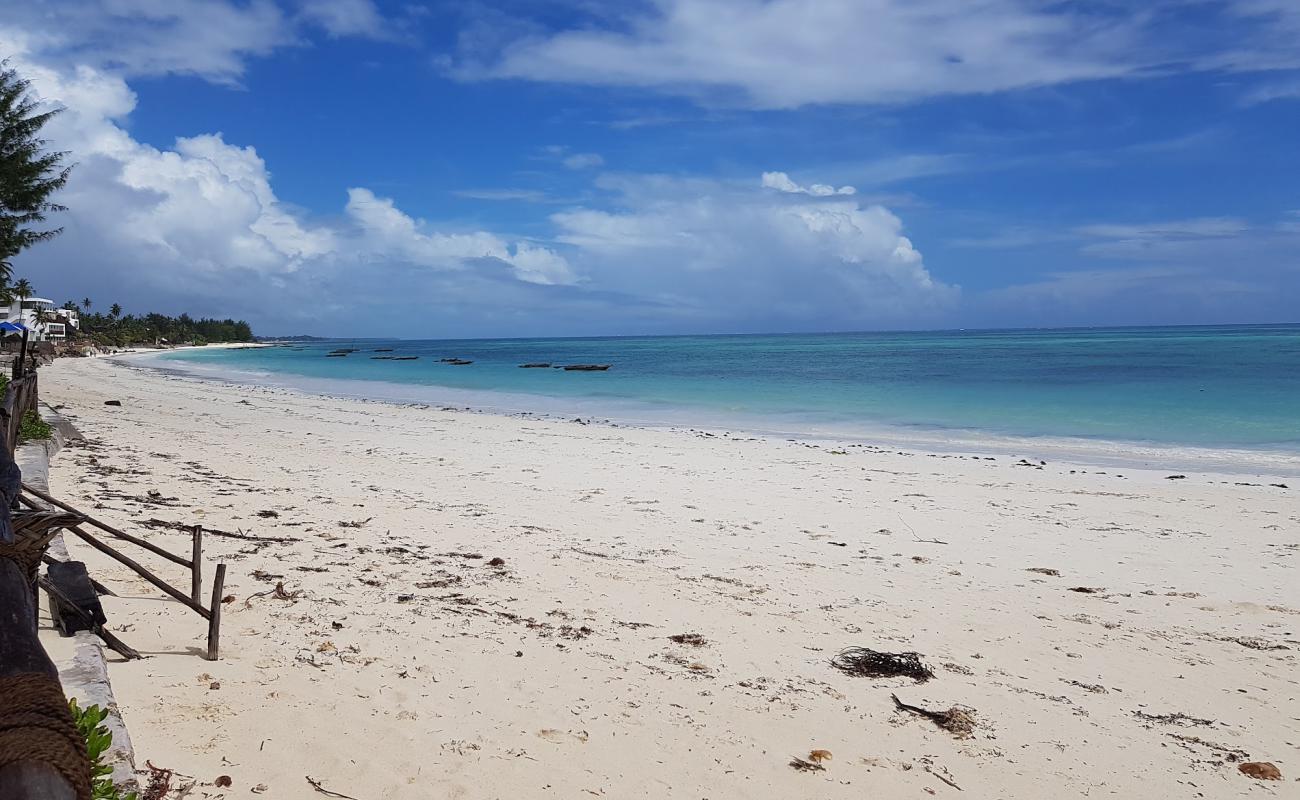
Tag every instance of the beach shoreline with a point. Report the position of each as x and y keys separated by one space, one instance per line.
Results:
x=1113 y=635
x=1083 y=452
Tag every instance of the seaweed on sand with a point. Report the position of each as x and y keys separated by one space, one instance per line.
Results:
x=867 y=663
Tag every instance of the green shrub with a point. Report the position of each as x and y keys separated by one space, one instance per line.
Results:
x=90 y=724
x=33 y=428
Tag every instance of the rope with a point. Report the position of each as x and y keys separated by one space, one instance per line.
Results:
x=36 y=727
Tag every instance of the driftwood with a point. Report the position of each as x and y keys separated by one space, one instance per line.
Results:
x=153 y=522
x=316 y=785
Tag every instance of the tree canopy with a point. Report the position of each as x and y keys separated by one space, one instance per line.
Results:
x=29 y=173
x=122 y=331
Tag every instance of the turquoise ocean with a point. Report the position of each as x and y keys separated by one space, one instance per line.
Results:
x=1204 y=387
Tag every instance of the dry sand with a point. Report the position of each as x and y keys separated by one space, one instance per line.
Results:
x=405 y=666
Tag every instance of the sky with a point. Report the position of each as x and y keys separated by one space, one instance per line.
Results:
x=579 y=167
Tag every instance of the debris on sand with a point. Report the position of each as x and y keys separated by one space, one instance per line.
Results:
x=693 y=639
x=806 y=766
x=1048 y=571
x=1254 y=643
x=1176 y=718
x=1261 y=771
x=497 y=562
x=958 y=721
x=818 y=756
x=866 y=663
x=1087 y=589
x=160 y=782
x=278 y=593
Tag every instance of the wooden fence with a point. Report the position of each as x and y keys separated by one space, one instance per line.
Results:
x=20 y=397
x=192 y=601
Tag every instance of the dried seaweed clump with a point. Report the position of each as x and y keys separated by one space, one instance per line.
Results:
x=958 y=720
x=866 y=663
x=693 y=639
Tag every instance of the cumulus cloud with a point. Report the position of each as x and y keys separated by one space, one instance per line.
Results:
x=789 y=53
x=739 y=253
x=199 y=226
x=782 y=183
x=386 y=232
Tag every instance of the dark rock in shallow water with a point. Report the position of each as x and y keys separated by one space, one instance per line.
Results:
x=547 y=365
x=405 y=358
x=586 y=367
x=382 y=350
x=336 y=355
x=455 y=362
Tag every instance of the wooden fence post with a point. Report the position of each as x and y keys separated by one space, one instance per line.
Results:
x=196 y=566
x=214 y=620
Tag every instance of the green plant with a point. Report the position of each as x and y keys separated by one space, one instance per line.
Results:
x=33 y=428
x=90 y=724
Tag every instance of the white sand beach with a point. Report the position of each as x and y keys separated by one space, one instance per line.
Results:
x=406 y=666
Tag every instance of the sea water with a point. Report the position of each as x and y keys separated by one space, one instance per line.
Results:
x=1208 y=387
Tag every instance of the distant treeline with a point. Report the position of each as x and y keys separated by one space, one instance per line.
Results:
x=123 y=331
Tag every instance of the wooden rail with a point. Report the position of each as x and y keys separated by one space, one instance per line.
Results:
x=192 y=601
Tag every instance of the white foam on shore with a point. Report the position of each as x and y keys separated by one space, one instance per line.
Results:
x=1076 y=450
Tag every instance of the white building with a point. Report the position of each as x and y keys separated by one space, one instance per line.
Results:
x=46 y=322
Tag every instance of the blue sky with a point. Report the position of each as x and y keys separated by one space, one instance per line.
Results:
x=570 y=168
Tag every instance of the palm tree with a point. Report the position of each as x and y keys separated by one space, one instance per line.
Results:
x=114 y=311
x=85 y=303
x=22 y=289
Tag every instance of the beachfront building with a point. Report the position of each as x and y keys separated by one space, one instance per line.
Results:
x=46 y=322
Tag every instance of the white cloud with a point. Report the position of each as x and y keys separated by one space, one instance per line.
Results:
x=1270 y=91
x=782 y=183
x=1164 y=240
x=709 y=249
x=207 y=38
x=346 y=17
x=583 y=161
x=789 y=53
x=386 y=232
x=199 y=225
